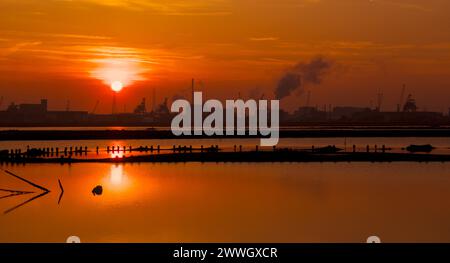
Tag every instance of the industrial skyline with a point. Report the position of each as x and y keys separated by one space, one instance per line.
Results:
x=158 y=114
x=406 y=101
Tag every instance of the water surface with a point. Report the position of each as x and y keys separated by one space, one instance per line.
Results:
x=194 y=202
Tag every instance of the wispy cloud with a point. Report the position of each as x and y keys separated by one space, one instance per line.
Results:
x=76 y=54
x=36 y=34
x=403 y=5
x=173 y=7
x=16 y=47
x=263 y=38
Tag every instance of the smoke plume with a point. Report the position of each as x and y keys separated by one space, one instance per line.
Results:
x=302 y=74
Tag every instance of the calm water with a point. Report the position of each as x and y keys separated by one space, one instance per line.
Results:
x=220 y=202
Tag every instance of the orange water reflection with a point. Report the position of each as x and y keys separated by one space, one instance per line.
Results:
x=196 y=202
x=116 y=177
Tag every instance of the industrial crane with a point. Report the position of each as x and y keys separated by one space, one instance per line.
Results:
x=95 y=107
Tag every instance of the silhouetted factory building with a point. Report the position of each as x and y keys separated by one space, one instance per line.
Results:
x=28 y=113
x=27 y=108
x=309 y=114
x=362 y=115
x=347 y=113
x=38 y=115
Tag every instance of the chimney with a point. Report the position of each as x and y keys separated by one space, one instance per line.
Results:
x=44 y=104
x=192 y=91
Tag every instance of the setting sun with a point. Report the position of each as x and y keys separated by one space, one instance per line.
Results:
x=118 y=72
x=116 y=86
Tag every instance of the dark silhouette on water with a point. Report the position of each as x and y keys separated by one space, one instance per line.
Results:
x=15 y=191
x=27 y=181
x=328 y=149
x=44 y=192
x=26 y=202
x=12 y=193
x=98 y=190
x=427 y=148
x=62 y=191
x=70 y=135
x=326 y=154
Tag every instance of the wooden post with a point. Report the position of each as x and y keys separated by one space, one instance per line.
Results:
x=28 y=182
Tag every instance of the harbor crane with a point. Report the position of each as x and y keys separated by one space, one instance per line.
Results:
x=95 y=107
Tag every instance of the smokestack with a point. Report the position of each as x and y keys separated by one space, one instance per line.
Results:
x=192 y=92
x=44 y=104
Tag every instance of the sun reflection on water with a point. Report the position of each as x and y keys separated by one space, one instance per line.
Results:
x=117 y=175
x=117 y=154
x=117 y=180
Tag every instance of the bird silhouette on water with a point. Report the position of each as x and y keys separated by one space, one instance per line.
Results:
x=98 y=190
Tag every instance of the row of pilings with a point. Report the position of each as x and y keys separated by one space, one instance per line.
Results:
x=66 y=153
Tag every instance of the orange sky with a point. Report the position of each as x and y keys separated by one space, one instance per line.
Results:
x=70 y=50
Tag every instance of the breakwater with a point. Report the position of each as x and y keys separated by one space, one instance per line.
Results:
x=15 y=135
